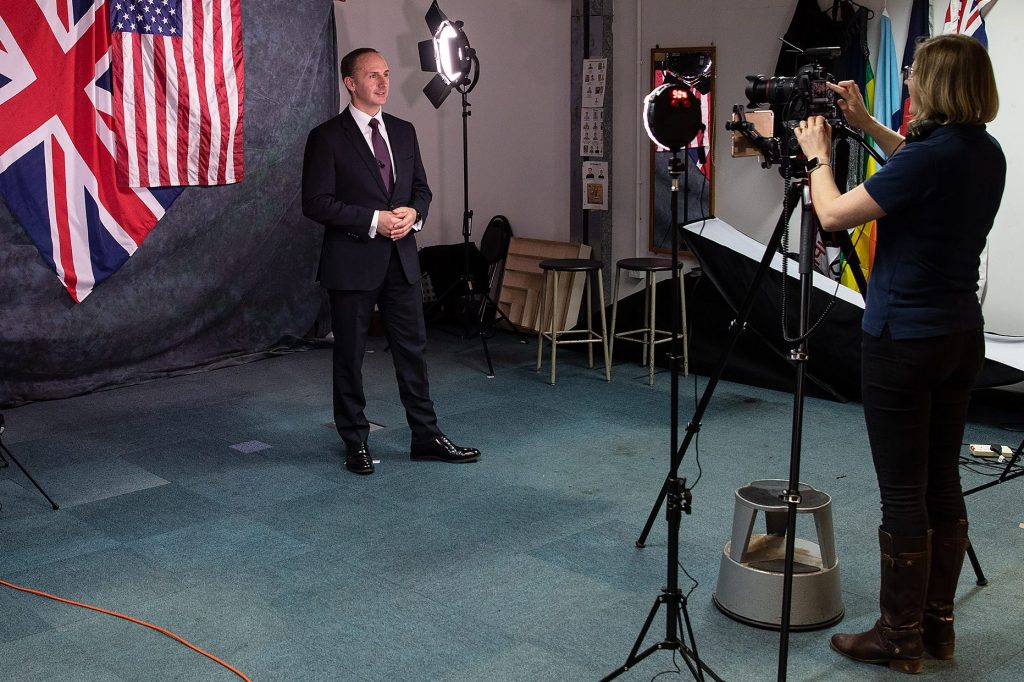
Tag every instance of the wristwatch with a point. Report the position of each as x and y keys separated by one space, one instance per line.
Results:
x=814 y=164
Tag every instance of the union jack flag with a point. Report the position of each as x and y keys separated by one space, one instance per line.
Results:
x=964 y=16
x=57 y=163
x=58 y=141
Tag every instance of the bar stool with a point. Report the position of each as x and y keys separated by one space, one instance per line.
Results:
x=552 y=333
x=752 y=570
x=649 y=336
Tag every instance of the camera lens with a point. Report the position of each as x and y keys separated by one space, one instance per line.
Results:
x=764 y=90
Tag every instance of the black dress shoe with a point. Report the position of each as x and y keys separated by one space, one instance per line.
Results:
x=358 y=460
x=442 y=449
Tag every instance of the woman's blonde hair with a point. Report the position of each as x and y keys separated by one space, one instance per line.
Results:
x=953 y=81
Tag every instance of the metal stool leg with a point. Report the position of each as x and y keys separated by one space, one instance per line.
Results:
x=604 y=329
x=742 y=526
x=589 y=302
x=540 y=320
x=653 y=288
x=554 y=316
x=646 y=307
x=826 y=536
x=615 y=310
x=776 y=522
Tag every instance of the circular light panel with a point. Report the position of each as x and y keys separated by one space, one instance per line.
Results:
x=672 y=115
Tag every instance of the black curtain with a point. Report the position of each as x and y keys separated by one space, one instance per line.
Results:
x=226 y=276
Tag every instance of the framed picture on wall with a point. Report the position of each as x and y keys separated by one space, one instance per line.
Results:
x=694 y=66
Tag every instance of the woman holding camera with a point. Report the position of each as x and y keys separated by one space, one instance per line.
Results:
x=922 y=342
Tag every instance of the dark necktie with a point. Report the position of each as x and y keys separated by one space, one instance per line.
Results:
x=380 y=150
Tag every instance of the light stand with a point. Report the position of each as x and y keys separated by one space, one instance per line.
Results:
x=456 y=67
x=3 y=464
x=672 y=119
x=677 y=618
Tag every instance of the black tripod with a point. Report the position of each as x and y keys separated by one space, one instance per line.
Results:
x=4 y=464
x=465 y=287
x=797 y=191
x=799 y=356
x=737 y=327
x=678 y=628
x=1012 y=470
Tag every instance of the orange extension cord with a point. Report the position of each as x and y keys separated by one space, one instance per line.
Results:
x=130 y=619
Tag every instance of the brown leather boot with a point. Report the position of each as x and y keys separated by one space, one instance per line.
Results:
x=896 y=638
x=949 y=544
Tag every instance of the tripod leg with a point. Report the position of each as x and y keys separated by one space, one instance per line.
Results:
x=29 y=476
x=685 y=614
x=738 y=325
x=487 y=354
x=852 y=258
x=978 y=573
x=452 y=288
x=633 y=658
x=1007 y=475
x=523 y=338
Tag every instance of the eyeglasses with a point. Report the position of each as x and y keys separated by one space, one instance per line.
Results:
x=908 y=72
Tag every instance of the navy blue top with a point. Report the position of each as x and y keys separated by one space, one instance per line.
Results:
x=940 y=196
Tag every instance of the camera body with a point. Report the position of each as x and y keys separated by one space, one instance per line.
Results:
x=801 y=96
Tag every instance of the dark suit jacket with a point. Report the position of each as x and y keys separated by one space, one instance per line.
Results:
x=342 y=187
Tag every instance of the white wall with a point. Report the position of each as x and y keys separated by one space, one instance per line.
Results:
x=1006 y=243
x=745 y=34
x=519 y=127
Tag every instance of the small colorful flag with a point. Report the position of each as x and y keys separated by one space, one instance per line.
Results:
x=964 y=16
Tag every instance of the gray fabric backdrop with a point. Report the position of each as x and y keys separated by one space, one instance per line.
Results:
x=226 y=276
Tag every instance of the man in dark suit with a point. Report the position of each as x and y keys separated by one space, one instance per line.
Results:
x=362 y=178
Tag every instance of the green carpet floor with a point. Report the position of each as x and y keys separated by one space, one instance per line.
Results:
x=216 y=505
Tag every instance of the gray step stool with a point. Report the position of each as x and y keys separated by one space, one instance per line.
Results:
x=751 y=575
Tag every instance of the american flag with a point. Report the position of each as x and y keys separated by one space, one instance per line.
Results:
x=57 y=149
x=964 y=16
x=178 y=84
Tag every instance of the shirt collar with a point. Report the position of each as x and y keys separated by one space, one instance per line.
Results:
x=362 y=119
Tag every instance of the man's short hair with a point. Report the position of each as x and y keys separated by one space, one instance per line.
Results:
x=349 y=61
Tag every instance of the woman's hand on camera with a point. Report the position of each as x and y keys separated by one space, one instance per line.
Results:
x=815 y=138
x=852 y=103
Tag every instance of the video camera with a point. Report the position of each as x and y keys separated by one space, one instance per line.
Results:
x=797 y=97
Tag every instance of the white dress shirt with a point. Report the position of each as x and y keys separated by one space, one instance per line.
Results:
x=362 y=120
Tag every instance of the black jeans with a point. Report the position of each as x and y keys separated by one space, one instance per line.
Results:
x=915 y=394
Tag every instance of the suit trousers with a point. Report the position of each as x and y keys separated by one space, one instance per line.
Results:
x=916 y=393
x=401 y=306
